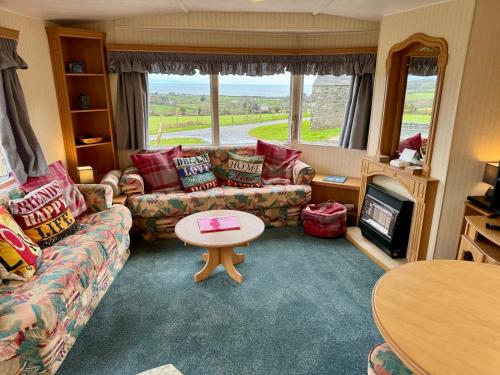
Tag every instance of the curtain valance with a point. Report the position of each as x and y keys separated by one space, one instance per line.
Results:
x=8 y=55
x=251 y=65
x=423 y=66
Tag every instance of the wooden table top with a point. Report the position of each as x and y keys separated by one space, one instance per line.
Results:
x=352 y=183
x=251 y=227
x=441 y=316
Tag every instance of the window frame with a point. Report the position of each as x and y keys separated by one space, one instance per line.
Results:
x=294 y=117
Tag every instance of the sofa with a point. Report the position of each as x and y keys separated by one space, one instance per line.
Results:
x=40 y=319
x=155 y=215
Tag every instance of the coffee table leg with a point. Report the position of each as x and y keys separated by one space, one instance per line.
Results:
x=212 y=261
x=226 y=254
x=204 y=257
x=237 y=258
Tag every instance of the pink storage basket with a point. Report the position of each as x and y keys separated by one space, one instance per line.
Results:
x=327 y=219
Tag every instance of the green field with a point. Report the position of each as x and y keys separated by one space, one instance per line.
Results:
x=178 y=141
x=189 y=122
x=279 y=132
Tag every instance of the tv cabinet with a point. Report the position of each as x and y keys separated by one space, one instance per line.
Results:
x=72 y=45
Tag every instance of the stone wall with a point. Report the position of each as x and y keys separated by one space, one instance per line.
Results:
x=329 y=100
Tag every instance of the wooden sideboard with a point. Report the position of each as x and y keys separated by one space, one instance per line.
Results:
x=479 y=243
x=423 y=191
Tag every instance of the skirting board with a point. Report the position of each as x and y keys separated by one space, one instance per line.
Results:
x=372 y=251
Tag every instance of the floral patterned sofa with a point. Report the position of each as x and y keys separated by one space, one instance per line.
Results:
x=40 y=319
x=156 y=214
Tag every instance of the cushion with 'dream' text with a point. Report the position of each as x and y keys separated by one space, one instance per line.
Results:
x=43 y=215
x=196 y=173
x=19 y=256
x=245 y=171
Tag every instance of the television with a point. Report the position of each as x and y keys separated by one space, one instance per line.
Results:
x=491 y=200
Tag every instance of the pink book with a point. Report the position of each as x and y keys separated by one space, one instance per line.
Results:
x=218 y=224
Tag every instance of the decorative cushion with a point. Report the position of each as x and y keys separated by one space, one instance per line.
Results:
x=19 y=256
x=43 y=215
x=278 y=164
x=245 y=171
x=158 y=169
x=131 y=181
x=57 y=172
x=112 y=178
x=383 y=361
x=196 y=173
x=413 y=143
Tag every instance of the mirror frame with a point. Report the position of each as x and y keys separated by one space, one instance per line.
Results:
x=397 y=70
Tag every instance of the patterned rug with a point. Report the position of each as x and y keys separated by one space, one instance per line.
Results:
x=304 y=308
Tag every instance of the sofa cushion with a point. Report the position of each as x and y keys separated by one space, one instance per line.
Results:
x=19 y=256
x=278 y=164
x=181 y=203
x=245 y=171
x=196 y=173
x=383 y=361
x=43 y=215
x=57 y=172
x=158 y=169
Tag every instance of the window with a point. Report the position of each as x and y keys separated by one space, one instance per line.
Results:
x=253 y=108
x=324 y=102
x=4 y=169
x=179 y=110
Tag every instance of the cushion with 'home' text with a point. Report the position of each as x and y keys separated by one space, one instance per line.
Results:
x=245 y=171
x=196 y=173
x=44 y=215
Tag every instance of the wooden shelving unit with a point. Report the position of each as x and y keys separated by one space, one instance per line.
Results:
x=67 y=45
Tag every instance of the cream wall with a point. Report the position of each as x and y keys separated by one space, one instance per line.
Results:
x=38 y=83
x=476 y=135
x=452 y=21
x=282 y=30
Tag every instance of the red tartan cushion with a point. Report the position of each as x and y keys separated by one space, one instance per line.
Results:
x=158 y=169
x=57 y=172
x=278 y=163
x=413 y=143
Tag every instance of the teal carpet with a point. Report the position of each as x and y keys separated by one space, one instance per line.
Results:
x=304 y=308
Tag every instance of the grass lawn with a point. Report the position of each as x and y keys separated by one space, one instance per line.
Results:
x=178 y=141
x=416 y=118
x=279 y=132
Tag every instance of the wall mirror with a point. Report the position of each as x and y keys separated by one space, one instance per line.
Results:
x=415 y=75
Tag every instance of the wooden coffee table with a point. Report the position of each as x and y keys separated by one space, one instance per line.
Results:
x=441 y=317
x=220 y=245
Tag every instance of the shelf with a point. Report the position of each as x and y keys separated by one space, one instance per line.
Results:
x=88 y=110
x=352 y=183
x=84 y=75
x=94 y=144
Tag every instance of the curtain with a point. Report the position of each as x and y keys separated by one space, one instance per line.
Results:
x=21 y=148
x=423 y=66
x=251 y=65
x=132 y=111
x=357 y=117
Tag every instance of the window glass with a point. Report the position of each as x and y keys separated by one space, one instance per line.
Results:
x=252 y=108
x=4 y=168
x=324 y=102
x=179 y=110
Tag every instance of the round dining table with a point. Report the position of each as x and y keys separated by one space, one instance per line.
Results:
x=441 y=316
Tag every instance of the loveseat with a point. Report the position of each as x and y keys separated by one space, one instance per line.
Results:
x=40 y=319
x=155 y=215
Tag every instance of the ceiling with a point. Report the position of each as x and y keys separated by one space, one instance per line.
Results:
x=71 y=11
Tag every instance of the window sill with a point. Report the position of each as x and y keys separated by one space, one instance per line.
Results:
x=8 y=184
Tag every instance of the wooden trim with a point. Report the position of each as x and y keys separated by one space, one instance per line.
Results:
x=238 y=51
x=9 y=33
x=74 y=33
x=397 y=69
x=8 y=184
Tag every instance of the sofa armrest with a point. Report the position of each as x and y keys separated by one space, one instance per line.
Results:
x=131 y=182
x=99 y=197
x=303 y=173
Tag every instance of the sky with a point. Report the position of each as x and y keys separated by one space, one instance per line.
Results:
x=278 y=79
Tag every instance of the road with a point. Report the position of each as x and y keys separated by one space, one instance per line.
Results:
x=233 y=134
